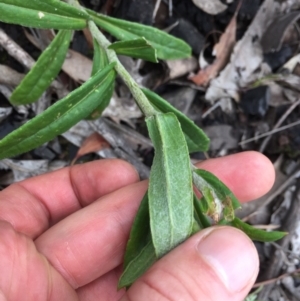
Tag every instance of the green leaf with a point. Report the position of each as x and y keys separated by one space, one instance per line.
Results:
x=137 y=48
x=196 y=226
x=257 y=234
x=137 y=267
x=140 y=253
x=167 y=46
x=44 y=71
x=196 y=139
x=59 y=117
x=140 y=232
x=170 y=189
x=50 y=6
x=100 y=61
x=42 y=14
x=217 y=197
x=200 y=217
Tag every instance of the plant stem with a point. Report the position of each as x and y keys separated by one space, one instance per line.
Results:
x=134 y=88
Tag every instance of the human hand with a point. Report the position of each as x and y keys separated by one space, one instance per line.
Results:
x=63 y=236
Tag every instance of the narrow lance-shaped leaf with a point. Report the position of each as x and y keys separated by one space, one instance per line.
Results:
x=100 y=61
x=57 y=7
x=195 y=138
x=196 y=226
x=137 y=48
x=139 y=232
x=42 y=14
x=167 y=46
x=257 y=234
x=139 y=265
x=217 y=197
x=170 y=189
x=140 y=253
x=59 y=117
x=44 y=71
x=200 y=217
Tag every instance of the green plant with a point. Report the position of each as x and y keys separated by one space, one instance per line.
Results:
x=170 y=211
x=253 y=296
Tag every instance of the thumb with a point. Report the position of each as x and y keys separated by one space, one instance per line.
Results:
x=218 y=263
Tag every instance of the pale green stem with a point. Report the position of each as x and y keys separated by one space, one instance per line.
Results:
x=134 y=88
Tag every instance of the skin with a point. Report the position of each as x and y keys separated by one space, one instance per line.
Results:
x=63 y=236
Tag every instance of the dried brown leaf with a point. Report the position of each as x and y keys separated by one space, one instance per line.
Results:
x=94 y=143
x=178 y=68
x=247 y=63
x=222 y=51
x=122 y=109
x=77 y=66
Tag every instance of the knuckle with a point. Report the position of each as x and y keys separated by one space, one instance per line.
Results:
x=9 y=238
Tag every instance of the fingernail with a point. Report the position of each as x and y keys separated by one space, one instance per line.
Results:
x=231 y=255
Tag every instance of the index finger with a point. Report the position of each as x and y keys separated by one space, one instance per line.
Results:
x=33 y=205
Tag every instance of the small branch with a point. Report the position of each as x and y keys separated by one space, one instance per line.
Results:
x=157 y=5
x=9 y=76
x=270 y=281
x=271 y=132
x=279 y=123
x=5 y=91
x=15 y=50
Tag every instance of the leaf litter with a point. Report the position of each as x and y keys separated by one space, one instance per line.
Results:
x=222 y=51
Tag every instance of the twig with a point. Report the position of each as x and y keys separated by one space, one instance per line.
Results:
x=282 y=187
x=270 y=281
x=5 y=91
x=285 y=250
x=15 y=50
x=279 y=123
x=170 y=5
x=170 y=8
x=157 y=5
x=270 y=132
x=215 y=106
x=266 y=227
x=9 y=76
x=134 y=88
